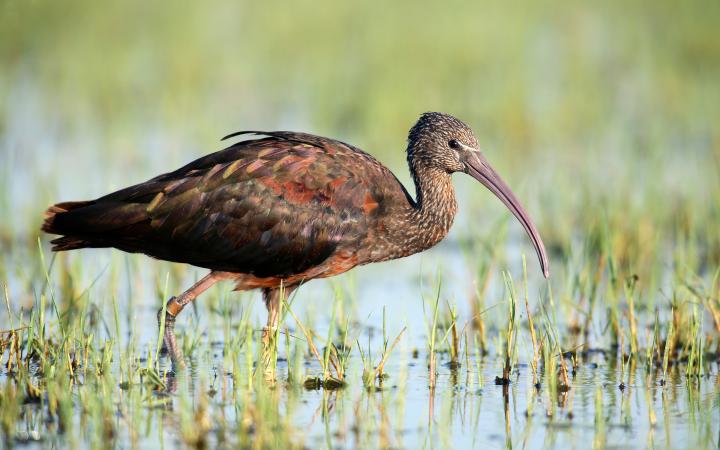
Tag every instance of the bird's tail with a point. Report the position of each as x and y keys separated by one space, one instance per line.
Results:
x=95 y=223
x=56 y=222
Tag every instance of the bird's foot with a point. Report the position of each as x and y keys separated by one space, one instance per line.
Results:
x=170 y=345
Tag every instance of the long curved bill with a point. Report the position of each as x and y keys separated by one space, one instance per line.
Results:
x=478 y=168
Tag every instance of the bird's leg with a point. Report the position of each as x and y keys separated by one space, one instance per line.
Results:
x=272 y=298
x=272 y=303
x=173 y=308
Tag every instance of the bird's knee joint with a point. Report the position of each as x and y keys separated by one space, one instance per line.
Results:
x=172 y=309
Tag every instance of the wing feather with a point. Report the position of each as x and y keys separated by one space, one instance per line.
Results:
x=274 y=206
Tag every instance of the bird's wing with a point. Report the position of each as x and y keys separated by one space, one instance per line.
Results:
x=274 y=206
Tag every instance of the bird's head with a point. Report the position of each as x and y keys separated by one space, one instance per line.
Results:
x=443 y=142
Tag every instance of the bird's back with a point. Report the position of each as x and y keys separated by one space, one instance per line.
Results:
x=270 y=207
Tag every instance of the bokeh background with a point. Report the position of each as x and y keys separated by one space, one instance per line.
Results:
x=611 y=104
x=602 y=116
x=557 y=91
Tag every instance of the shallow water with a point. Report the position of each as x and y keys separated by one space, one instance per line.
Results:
x=465 y=409
x=457 y=414
x=404 y=412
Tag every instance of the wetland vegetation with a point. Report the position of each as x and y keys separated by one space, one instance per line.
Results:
x=603 y=119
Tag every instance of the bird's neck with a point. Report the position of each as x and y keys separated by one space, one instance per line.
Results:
x=430 y=219
x=414 y=226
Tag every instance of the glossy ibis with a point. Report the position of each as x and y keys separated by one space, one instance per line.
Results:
x=284 y=208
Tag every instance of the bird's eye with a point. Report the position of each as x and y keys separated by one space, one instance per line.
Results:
x=454 y=144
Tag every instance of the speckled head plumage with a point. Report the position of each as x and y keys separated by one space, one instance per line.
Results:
x=440 y=140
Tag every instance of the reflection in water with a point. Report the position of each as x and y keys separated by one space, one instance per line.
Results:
x=225 y=398
x=506 y=409
x=229 y=408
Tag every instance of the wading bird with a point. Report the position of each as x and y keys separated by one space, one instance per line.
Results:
x=284 y=208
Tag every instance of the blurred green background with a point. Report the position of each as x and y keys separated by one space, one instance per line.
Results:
x=602 y=116
x=590 y=109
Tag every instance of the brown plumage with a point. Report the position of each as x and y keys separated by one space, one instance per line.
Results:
x=286 y=208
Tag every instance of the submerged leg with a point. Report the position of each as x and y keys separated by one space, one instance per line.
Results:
x=173 y=308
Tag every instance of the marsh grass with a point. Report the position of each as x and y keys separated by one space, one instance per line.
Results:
x=431 y=330
x=370 y=374
x=331 y=359
x=453 y=334
x=509 y=348
x=531 y=326
x=55 y=358
x=606 y=132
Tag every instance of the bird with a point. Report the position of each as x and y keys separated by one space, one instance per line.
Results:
x=281 y=208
